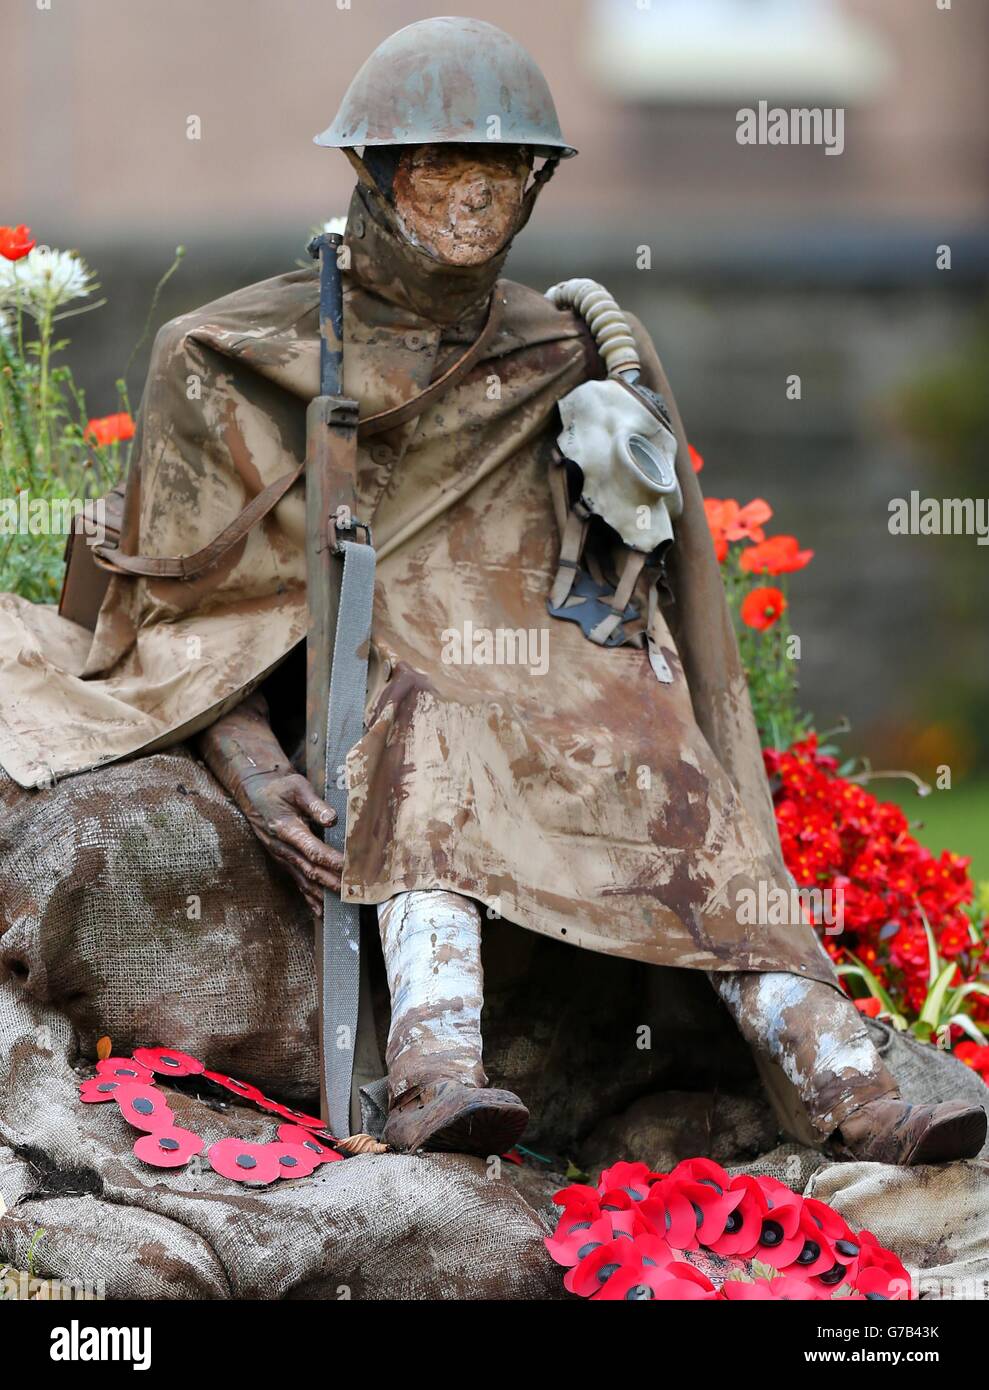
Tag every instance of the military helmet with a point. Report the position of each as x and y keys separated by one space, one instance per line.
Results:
x=449 y=80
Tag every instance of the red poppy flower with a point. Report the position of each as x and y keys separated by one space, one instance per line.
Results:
x=245 y=1162
x=109 y=429
x=974 y=1055
x=593 y=1270
x=652 y=1273
x=871 y=1007
x=737 y=523
x=239 y=1088
x=674 y=1281
x=295 y=1160
x=286 y=1112
x=744 y=1223
x=632 y=1178
x=167 y=1061
x=620 y=1245
x=125 y=1069
x=143 y=1106
x=579 y=1239
x=761 y=608
x=777 y=555
x=168 y=1148
x=781 y=1237
x=697 y=463
x=295 y=1134
x=16 y=242
x=100 y=1088
x=706 y=1187
x=671 y=1214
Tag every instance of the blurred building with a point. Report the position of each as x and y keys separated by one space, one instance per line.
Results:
x=761 y=261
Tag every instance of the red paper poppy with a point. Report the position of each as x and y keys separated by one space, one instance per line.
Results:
x=295 y=1134
x=16 y=242
x=632 y=1178
x=676 y=1281
x=579 y=1240
x=781 y=1238
x=671 y=1215
x=168 y=1148
x=286 y=1112
x=696 y=461
x=239 y=1088
x=167 y=1061
x=143 y=1107
x=593 y=1270
x=100 y=1088
x=744 y=1223
x=294 y=1160
x=627 y=1239
x=244 y=1161
x=125 y=1069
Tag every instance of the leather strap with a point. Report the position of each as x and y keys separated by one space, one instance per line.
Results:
x=383 y=420
x=340 y=981
x=189 y=566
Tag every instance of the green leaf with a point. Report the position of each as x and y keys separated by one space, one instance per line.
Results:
x=934 y=960
x=875 y=989
x=934 y=1003
x=969 y=1026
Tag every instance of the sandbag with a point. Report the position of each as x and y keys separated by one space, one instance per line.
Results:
x=616 y=1060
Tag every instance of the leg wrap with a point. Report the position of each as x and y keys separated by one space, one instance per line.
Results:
x=432 y=949
x=815 y=1035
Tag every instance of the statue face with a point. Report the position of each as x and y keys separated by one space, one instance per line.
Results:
x=460 y=203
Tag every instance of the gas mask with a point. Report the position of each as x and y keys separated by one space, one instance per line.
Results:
x=627 y=455
x=620 y=436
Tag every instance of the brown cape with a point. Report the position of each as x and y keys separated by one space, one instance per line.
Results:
x=591 y=803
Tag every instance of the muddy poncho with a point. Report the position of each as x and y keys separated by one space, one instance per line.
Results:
x=506 y=757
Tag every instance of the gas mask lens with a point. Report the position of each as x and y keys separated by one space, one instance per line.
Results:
x=655 y=470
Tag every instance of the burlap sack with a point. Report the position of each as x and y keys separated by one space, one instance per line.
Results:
x=136 y=903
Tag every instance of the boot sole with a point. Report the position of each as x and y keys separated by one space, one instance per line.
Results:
x=480 y=1123
x=954 y=1138
x=481 y=1128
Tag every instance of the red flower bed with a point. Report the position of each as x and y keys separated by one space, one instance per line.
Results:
x=836 y=835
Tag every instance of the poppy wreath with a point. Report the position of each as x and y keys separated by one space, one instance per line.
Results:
x=696 y=1233
x=302 y=1143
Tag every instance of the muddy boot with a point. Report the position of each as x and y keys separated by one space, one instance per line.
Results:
x=438 y=1092
x=456 y=1118
x=891 y=1131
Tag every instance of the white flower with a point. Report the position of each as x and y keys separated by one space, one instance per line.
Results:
x=44 y=279
x=336 y=224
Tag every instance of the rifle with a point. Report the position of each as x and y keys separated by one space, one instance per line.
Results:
x=340 y=589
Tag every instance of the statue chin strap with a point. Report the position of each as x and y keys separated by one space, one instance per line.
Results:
x=619 y=434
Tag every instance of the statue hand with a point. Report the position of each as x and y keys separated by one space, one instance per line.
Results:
x=281 y=807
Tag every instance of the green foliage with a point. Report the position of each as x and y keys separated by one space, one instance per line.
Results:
x=768 y=662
